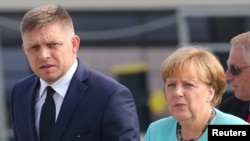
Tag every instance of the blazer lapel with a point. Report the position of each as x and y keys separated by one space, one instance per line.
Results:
x=31 y=95
x=69 y=105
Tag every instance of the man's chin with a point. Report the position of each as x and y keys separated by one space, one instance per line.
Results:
x=242 y=98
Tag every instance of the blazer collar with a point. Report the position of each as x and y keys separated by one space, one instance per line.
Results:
x=73 y=96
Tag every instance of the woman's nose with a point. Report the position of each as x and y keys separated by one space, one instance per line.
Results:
x=178 y=91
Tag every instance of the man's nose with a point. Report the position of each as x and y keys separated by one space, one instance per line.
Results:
x=44 y=53
x=229 y=75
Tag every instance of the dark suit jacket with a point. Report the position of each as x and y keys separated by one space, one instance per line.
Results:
x=230 y=104
x=95 y=108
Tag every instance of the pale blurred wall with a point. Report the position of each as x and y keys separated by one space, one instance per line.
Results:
x=12 y=5
x=103 y=59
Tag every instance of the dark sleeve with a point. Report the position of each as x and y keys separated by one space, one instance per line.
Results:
x=120 y=118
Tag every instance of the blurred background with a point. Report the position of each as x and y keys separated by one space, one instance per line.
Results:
x=126 y=40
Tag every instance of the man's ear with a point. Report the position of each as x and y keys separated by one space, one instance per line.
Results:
x=23 y=48
x=75 y=43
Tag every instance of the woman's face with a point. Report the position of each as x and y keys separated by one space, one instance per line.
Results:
x=187 y=96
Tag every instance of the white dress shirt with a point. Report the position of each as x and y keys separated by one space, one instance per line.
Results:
x=60 y=87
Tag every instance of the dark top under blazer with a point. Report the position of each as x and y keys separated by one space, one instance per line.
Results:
x=95 y=108
x=234 y=106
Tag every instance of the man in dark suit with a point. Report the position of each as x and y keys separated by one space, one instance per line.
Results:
x=238 y=74
x=81 y=104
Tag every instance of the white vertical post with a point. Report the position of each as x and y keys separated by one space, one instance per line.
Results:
x=182 y=29
x=3 y=114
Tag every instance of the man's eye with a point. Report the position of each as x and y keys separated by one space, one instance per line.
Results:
x=54 y=44
x=32 y=48
x=171 y=84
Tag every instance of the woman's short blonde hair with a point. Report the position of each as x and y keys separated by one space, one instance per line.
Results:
x=207 y=65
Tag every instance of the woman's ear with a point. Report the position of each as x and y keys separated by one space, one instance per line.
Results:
x=210 y=95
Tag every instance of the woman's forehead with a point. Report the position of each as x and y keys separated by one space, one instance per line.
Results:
x=183 y=69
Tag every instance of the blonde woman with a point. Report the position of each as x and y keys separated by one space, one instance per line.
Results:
x=194 y=81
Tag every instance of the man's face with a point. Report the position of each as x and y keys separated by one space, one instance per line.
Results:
x=50 y=51
x=240 y=82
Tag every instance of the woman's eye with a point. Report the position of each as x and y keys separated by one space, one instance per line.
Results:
x=171 y=84
x=188 y=84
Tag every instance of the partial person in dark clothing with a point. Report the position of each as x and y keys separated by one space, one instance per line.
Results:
x=238 y=75
x=231 y=104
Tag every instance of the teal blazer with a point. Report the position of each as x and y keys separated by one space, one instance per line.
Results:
x=165 y=129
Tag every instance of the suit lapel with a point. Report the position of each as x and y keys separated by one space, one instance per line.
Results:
x=72 y=98
x=31 y=95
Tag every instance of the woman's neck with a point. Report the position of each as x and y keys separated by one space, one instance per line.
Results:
x=195 y=129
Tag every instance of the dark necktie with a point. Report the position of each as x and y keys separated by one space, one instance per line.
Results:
x=47 y=118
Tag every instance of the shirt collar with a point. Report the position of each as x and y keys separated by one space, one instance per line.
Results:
x=62 y=84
